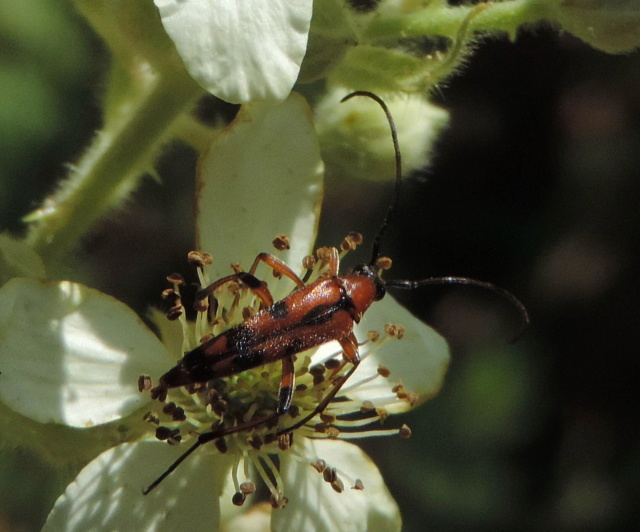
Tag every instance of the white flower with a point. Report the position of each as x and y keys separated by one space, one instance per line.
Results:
x=240 y=51
x=72 y=356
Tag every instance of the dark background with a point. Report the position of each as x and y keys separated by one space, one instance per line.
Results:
x=534 y=187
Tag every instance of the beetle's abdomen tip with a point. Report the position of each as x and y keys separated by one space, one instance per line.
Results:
x=175 y=377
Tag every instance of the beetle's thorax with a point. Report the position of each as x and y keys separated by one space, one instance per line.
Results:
x=362 y=287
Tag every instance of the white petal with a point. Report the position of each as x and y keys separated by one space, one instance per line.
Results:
x=261 y=177
x=257 y=518
x=70 y=354
x=240 y=51
x=107 y=494
x=314 y=505
x=170 y=333
x=419 y=360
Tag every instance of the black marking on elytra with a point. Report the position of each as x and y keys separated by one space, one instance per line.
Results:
x=241 y=339
x=295 y=346
x=279 y=310
x=322 y=314
x=250 y=358
x=199 y=373
x=319 y=315
x=194 y=367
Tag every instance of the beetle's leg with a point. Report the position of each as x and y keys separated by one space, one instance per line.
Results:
x=350 y=349
x=258 y=287
x=330 y=257
x=350 y=352
x=278 y=266
x=334 y=262
x=285 y=394
x=322 y=405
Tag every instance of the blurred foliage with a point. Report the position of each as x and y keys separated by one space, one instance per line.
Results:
x=49 y=62
x=534 y=187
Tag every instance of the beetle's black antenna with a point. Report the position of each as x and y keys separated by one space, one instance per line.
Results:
x=410 y=285
x=173 y=466
x=375 y=251
x=206 y=437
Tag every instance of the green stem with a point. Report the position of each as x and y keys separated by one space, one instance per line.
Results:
x=444 y=21
x=112 y=166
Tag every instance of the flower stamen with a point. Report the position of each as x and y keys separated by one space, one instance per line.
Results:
x=237 y=413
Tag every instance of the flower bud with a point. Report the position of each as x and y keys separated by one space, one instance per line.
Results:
x=612 y=26
x=356 y=142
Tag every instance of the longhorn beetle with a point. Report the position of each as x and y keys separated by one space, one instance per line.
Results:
x=310 y=316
